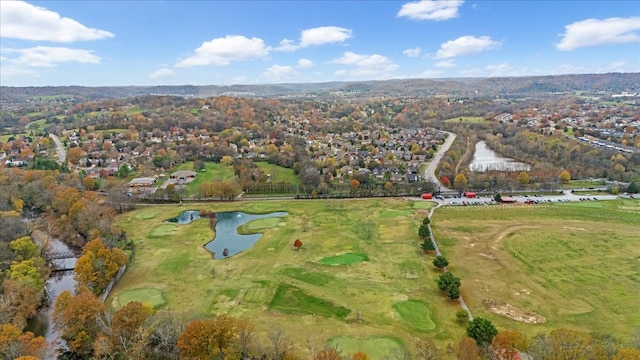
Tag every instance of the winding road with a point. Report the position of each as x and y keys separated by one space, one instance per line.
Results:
x=60 y=152
x=430 y=171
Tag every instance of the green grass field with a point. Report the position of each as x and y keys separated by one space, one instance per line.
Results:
x=467 y=120
x=576 y=264
x=213 y=172
x=573 y=264
x=273 y=283
x=37 y=125
x=279 y=173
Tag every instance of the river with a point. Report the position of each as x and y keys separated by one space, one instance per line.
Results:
x=485 y=159
x=42 y=323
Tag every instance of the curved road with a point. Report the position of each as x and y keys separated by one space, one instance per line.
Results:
x=60 y=152
x=430 y=171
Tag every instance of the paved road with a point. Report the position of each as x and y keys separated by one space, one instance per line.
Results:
x=60 y=152
x=430 y=171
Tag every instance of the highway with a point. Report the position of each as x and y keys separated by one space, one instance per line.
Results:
x=430 y=171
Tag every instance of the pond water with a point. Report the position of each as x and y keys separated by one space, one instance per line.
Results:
x=485 y=159
x=227 y=236
x=186 y=217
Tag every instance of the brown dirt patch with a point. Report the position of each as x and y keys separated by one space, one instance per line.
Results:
x=512 y=312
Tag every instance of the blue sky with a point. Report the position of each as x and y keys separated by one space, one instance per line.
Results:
x=112 y=43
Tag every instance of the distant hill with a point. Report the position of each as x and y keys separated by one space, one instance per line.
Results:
x=503 y=86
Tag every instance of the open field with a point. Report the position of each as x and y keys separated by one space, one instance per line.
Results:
x=213 y=172
x=376 y=284
x=467 y=120
x=279 y=173
x=575 y=264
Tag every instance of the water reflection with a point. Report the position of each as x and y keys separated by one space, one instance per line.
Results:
x=485 y=159
x=227 y=236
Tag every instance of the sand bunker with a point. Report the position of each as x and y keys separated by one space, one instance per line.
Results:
x=512 y=312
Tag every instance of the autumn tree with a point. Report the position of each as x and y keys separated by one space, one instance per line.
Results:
x=467 y=349
x=426 y=349
x=203 y=339
x=508 y=344
x=196 y=341
x=564 y=177
x=353 y=185
x=19 y=301
x=328 y=354
x=76 y=319
x=482 y=331
x=98 y=265
x=445 y=181
x=523 y=178
x=74 y=154
x=297 y=244
x=128 y=329
x=15 y=344
x=460 y=182
x=360 y=355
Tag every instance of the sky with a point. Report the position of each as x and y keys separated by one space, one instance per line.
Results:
x=124 y=43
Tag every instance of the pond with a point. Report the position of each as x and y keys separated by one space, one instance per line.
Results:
x=485 y=159
x=226 y=228
x=186 y=217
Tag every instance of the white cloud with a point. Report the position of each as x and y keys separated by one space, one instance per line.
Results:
x=415 y=52
x=617 y=65
x=315 y=37
x=278 y=73
x=365 y=66
x=222 y=51
x=446 y=64
x=45 y=56
x=305 y=63
x=20 y=20
x=430 y=9
x=324 y=35
x=595 y=32
x=466 y=45
x=287 y=46
x=162 y=73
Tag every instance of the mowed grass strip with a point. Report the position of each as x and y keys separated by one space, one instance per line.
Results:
x=376 y=347
x=416 y=314
x=575 y=264
x=344 y=259
x=146 y=296
x=290 y=299
x=310 y=277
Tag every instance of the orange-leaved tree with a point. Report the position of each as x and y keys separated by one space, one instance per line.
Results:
x=204 y=339
x=76 y=319
x=15 y=344
x=328 y=354
x=508 y=344
x=297 y=244
x=98 y=265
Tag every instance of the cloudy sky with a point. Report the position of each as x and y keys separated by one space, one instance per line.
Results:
x=111 y=43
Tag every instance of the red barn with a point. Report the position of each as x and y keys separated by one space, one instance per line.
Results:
x=470 y=195
x=427 y=196
x=508 y=200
